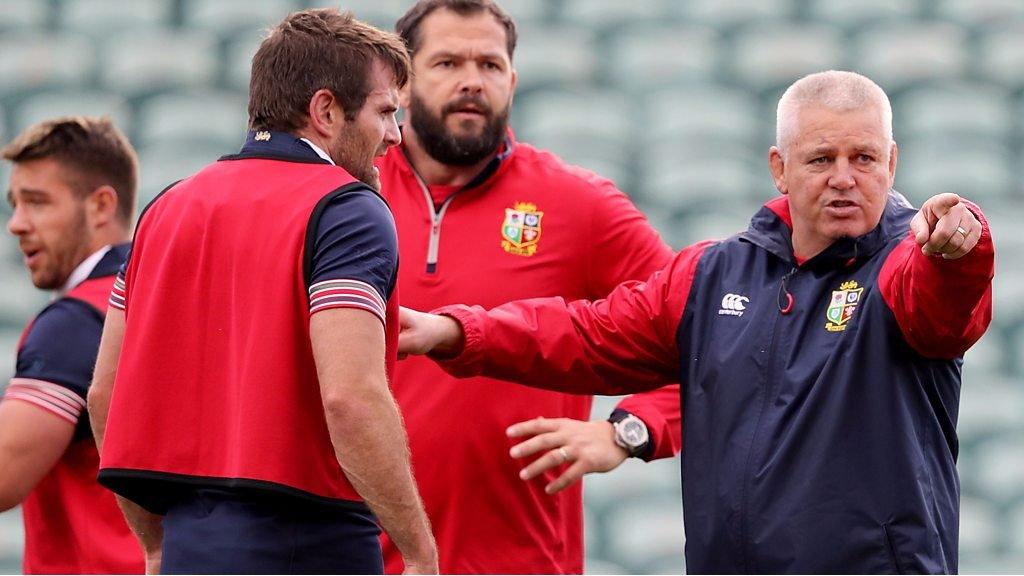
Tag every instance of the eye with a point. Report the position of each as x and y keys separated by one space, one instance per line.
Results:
x=445 y=63
x=492 y=66
x=865 y=158
x=819 y=161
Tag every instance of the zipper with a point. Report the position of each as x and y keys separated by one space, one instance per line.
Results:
x=785 y=307
x=436 y=216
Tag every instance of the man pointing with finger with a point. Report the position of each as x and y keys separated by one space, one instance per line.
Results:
x=819 y=353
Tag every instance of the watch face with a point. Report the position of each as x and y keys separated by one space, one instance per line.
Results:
x=634 y=433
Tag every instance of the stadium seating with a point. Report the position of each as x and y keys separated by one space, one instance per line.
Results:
x=142 y=62
x=898 y=54
x=980 y=12
x=45 y=105
x=232 y=16
x=36 y=60
x=956 y=109
x=208 y=116
x=672 y=100
x=1001 y=54
x=100 y=18
x=726 y=14
x=854 y=15
x=23 y=15
x=647 y=56
x=577 y=62
x=602 y=14
x=769 y=55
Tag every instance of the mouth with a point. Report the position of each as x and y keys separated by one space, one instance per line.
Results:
x=842 y=209
x=30 y=256
x=468 y=109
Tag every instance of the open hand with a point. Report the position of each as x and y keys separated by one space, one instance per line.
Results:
x=586 y=446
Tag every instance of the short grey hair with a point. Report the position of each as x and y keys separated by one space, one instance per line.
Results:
x=833 y=89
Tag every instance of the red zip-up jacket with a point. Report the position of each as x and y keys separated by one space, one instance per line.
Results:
x=529 y=226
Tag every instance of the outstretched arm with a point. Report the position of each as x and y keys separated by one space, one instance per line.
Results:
x=624 y=343
x=938 y=282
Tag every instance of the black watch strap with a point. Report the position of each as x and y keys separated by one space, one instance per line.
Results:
x=645 y=450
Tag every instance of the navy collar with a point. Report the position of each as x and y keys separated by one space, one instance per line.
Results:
x=276 y=146
x=771 y=232
x=111 y=262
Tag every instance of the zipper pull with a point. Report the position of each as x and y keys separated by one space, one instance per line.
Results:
x=784 y=299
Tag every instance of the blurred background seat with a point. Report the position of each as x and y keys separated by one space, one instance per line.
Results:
x=231 y=16
x=675 y=101
x=100 y=18
x=956 y=109
x=854 y=15
x=193 y=116
x=39 y=60
x=768 y=56
x=898 y=54
x=1001 y=54
x=642 y=57
x=23 y=15
x=577 y=62
x=144 y=62
x=727 y=14
x=68 y=102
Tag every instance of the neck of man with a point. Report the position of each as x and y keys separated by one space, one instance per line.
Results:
x=435 y=173
x=113 y=235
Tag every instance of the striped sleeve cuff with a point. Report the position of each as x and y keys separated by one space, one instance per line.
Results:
x=117 y=297
x=51 y=397
x=345 y=294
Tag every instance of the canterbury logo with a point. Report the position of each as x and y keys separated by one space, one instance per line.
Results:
x=733 y=305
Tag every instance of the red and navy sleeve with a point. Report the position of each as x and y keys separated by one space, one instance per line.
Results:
x=355 y=255
x=941 y=306
x=118 y=294
x=55 y=363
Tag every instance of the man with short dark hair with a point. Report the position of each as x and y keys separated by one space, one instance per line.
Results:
x=72 y=192
x=483 y=218
x=252 y=332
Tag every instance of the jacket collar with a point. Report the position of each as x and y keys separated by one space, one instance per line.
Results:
x=771 y=228
x=277 y=146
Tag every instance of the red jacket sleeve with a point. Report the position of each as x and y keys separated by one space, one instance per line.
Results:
x=661 y=411
x=617 y=227
x=624 y=343
x=942 y=306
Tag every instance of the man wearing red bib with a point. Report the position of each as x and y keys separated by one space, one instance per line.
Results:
x=72 y=191
x=241 y=395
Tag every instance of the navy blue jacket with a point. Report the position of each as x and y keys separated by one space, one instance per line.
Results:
x=819 y=400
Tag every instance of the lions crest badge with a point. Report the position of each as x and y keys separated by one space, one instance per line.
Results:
x=520 y=232
x=842 y=305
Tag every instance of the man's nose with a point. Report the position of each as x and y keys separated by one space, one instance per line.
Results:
x=842 y=176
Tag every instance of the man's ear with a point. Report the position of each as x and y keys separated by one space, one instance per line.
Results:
x=101 y=206
x=777 y=166
x=325 y=113
x=893 y=153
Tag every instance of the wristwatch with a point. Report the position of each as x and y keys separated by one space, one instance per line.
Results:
x=630 y=433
